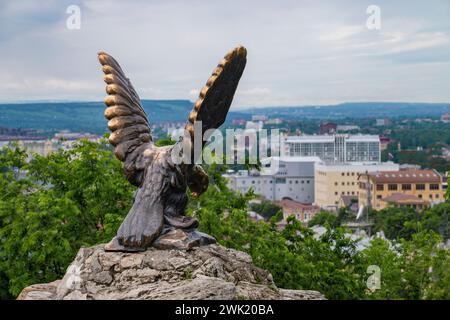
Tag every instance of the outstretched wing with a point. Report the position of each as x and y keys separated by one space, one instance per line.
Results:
x=127 y=119
x=216 y=96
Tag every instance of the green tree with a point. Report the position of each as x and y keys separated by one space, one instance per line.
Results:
x=414 y=269
x=323 y=218
x=53 y=205
x=266 y=208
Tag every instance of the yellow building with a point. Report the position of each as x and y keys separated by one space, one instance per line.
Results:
x=332 y=181
x=301 y=211
x=412 y=188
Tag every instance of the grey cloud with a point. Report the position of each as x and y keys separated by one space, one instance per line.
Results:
x=300 y=52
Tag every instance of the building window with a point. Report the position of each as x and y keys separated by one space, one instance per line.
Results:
x=434 y=186
x=420 y=186
x=307 y=181
x=336 y=193
x=353 y=173
x=336 y=183
x=379 y=196
x=406 y=186
x=436 y=196
x=392 y=187
x=420 y=196
x=343 y=183
x=343 y=173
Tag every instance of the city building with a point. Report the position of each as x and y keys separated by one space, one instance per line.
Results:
x=280 y=177
x=384 y=141
x=254 y=125
x=274 y=121
x=302 y=212
x=66 y=139
x=405 y=200
x=341 y=148
x=383 y=122
x=327 y=128
x=346 y=128
x=238 y=122
x=349 y=202
x=42 y=146
x=259 y=117
x=412 y=187
x=445 y=118
x=255 y=216
x=332 y=181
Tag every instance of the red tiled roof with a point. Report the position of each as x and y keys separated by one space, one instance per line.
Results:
x=291 y=204
x=401 y=198
x=405 y=176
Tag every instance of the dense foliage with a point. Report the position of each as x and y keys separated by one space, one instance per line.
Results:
x=53 y=205
x=405 y=222
x=266 y=208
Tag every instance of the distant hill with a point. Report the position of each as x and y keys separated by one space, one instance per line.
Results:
x=83 y=116
x=355 y=110
x=88 y=116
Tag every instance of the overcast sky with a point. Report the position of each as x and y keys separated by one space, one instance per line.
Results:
x=299 y=52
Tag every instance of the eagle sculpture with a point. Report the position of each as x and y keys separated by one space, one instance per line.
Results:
x=160 y=200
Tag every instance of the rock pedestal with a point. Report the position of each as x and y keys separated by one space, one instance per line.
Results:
x=206 y=272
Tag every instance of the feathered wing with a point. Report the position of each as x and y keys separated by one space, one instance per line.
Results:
x=127 y=119
x=216 y=96
x=212 y=106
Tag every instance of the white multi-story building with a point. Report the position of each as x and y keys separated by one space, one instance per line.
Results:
x=280 y=177
x=339 y=148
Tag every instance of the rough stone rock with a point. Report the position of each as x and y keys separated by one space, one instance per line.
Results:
x=45 y=291
x=181 y=239
x=206 y=272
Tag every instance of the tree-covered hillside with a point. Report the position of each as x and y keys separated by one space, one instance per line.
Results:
x=83 y=116
x=88 y=116
x=355 y=110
